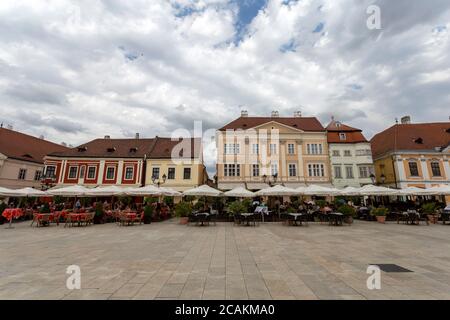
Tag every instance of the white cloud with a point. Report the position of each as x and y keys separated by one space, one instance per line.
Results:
x=114 y=67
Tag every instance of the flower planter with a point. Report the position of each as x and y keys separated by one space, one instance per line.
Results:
x=348 y=219
x=432 y=218
x=381 y=219
x=184 y=220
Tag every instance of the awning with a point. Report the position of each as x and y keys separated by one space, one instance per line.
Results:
x=230 y=185
x=257 y=186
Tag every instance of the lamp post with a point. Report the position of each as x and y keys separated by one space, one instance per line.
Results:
x=373 y=178
x=267 y=179
x=158 y=181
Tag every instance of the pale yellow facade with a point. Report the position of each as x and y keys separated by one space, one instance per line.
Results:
x=16 y=174
x=176 y=173
x=280 y=149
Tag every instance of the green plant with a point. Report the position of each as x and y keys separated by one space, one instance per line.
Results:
x=58 y=200
x=379 y=212
x=168 y=201
x=237 y=207
x=45 y=208
x=321 y=203
x=429 y=208
x=151 y=200
x=291 y=210
x=148 y=213
x=183 y=209
x=99 y=209
x=347 y=210
x=247 y=203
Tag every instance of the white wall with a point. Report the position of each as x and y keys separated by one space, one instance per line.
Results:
x=9 y=173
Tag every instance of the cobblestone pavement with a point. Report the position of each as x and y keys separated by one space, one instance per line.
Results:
x=272 y=261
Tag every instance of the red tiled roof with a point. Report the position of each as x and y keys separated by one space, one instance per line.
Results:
x=353 y=135
x=21 y=146
x=301 y=123
x=164 y=146
x=127 y=148
x=416 y=136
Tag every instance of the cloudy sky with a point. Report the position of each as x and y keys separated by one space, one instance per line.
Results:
x=76 y=70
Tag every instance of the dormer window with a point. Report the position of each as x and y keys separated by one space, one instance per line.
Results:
x=27 y=156
x=82 y=149
x=342 y=136
x=338 y=124
x=111 y=149
x=418 y=141
x=133 y=150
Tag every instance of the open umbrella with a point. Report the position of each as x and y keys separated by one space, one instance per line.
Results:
x=70 y=191
x=107 y=191
x=413 y=191
x=166 y=191
x=442 y=190
x=277 y=191
x=316 y=190
x=28 y=192
x=371 y=190
x=148 y=190
x=5 y=192
x=349 y=191
x=203 y=190
x=240 y=192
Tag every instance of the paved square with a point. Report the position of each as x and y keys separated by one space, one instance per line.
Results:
x=171 y=261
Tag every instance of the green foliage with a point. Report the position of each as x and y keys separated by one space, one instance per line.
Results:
x=379 y=212
x=183 y=209
x=126 y=200
x=291 y=210
x=321 y=203
x=347 y=210
x=45 y=208
x=237 y=207
x=148 y=211
x=168 y=201
x=247 y=203
x=429 y=208
x=151 y=200
x=99 y=209
x=58 y=200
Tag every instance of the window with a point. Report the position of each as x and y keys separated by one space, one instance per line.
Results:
x=316 y=170
x=22 y=174
x=255 y=170
x=50 y=172
x=337 y=172
x=363 y=172
x=292 y=170
x=364 y=152
x=274 y=169
x=435 y=169
x=155 y=173
x=129 y=173
x=336 y=153
x=413 y=169
x=349 y=172
x=91 y=173
x=171 y=174
x=83 y=168
x=273 y=148
x=110 y=173
x=314 y=148
x=73 y=172
x=291 y=148
x=255 y=148
x=347 y=153
x=187 y=173
x=37 y=175
x=232 y=170
x=342 y=136
x=231 y=148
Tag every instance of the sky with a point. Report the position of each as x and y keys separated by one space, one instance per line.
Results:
x=73 y=71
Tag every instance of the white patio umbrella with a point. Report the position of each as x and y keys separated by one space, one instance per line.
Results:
x=300 y=190
x=240 y=192
x=5 y=192
x=107 y=191
x=277 y=191
x=148 y=190
x=70 y=191
x=442 y=190
x=166 y=191
x=371 y=190
x=203 y=190
x=413 y=191
x=349 y=191
x=316 y=190
x=29 y=192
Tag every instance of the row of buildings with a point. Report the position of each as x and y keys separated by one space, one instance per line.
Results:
x=253 y=152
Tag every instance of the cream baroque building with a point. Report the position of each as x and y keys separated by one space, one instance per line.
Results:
x=256 y=152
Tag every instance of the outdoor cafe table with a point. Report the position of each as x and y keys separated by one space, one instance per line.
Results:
x=40 y=217
x=74 y=217
x=297 y=218
x=246 y=217
x=12 y=213
x=336 y=218
x=202 y=217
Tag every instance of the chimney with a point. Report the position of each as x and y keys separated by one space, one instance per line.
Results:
x=244 y=113
x=41 y=137
x=107 y=137
x=406 y=120
x=137 y=135
x=297 y=114
x=275 y=114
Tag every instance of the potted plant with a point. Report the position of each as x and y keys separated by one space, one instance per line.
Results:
x=236 y=207
x=99 y=214
x=380 y=214
x=430 y=210
x=348 y=211
x=148 y=213
x=182 y=210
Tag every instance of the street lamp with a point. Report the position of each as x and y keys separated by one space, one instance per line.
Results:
x=159 y=182
x=382 y=178
x=373 y=178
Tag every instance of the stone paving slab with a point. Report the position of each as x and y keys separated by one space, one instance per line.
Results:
x=272 y=261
